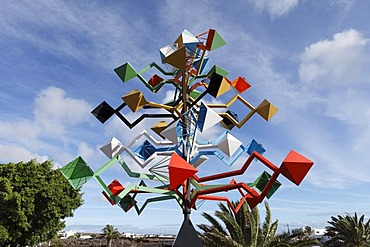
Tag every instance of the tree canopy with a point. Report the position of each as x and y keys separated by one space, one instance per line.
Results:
x=110 y=232
x=34 y=200
x=348 y=230
x=245 y=229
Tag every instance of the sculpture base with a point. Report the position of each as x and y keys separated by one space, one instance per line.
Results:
x=187 y=236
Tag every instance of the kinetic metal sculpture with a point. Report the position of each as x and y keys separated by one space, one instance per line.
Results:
x=174 y=160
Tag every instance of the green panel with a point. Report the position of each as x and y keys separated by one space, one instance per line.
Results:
x=77 y=172
x=217 y=41
x=262 y=181
x=78 y=182
x=274 y=188
x=77 y=168
x=127 y=203
x=68 y=169
x=218 y=70
x=126 y=72
x=195 y=94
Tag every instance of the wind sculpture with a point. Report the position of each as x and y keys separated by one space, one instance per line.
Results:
x=173 y=158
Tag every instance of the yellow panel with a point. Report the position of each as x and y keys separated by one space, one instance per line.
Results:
x=266 y=110
x=159 y=127
x=224 y=87
x=134 y=99
x=177 y=59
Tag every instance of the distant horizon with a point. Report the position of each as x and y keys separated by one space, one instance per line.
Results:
x=97 y=229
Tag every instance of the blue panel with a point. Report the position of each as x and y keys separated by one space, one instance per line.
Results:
x=205 y=65
x=145 y=150
x=202 y=116
x=255 y=146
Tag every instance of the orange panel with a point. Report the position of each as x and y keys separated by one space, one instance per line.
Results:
x=295 y=167
x=240 y=84
x=179 y=170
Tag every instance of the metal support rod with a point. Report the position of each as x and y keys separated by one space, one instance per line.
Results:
x=185 y=134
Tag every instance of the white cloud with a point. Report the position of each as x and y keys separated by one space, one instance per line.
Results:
x=44 y=135
x=343 y=60
x=85 y=151
x=22 y=131
x=276 y=8
x=53 y=110
x=15 y=153
x=337 y=70
x=168 y=97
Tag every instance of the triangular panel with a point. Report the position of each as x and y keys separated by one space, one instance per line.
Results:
x=77 y=172
x=240 y=84
x=112 y=148
x=145 y=150
x=115 y=188
x=255 y=146
x=229 y=144
x=217 y=41
x=186 y=38
x=159 y=127
x=155 y=80
x=126 y=72
x=266 y=110
x=103 y=112
x=187 y=236
x=135 y=100
x=262 y=181
x=207 y=118
x=170 y=132
x=295 y=167
x=179 y=170
x=177 y=59
x=218 y=85
x=218 y=70
x=166 y=51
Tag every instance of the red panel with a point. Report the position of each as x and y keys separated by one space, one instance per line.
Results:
x=115 y=187
x=295 y=167
x=155 y=80
x=179 y=170
x=211 y=34
x=252 y=201
x=240 y=84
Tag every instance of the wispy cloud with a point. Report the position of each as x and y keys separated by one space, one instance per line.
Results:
x=276 y=8
x=45 y=132
x=16 y=153
x=67 y=30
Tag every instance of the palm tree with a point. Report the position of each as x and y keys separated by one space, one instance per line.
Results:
x=110 y=232
x=298 y=238
x=244 y=229
x=348 y=231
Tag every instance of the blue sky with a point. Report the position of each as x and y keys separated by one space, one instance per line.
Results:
x=309 y=58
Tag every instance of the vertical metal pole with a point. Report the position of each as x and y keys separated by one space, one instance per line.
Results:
x=186 y=208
